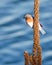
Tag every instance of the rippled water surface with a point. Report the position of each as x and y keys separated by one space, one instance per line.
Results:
x=16 y=36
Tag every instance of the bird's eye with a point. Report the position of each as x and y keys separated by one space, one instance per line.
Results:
x=26 y=18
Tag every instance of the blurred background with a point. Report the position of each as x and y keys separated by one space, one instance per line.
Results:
x=16 y=36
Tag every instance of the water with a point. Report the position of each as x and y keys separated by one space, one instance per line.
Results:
x=16 y=36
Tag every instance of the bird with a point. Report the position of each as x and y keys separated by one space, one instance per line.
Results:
x=29 y=20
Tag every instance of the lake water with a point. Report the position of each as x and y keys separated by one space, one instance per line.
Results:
x=16 y=36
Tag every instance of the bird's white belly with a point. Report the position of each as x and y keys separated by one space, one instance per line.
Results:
x=30 y=24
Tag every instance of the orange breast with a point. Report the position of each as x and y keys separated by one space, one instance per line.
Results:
x=29 y=20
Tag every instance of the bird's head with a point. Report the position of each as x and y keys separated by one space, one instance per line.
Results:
x=28 y=18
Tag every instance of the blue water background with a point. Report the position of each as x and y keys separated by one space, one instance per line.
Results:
x=16 y=36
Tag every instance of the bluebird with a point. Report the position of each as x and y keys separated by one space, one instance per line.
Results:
x=29 y=21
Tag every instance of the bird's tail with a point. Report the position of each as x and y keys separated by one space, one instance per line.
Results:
x=42 y=31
